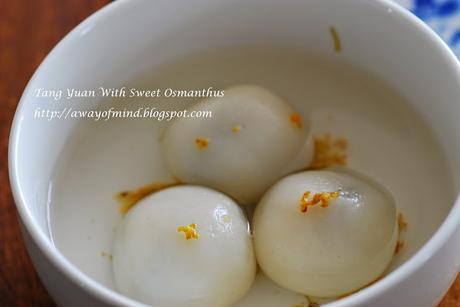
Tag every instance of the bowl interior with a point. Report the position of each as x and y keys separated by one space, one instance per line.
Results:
x=117 y=45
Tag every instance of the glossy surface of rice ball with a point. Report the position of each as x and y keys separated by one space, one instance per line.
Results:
x=184 y=246
x=252 y=139
x=325 y=233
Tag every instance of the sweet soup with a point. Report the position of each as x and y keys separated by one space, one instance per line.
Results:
x=185 y=233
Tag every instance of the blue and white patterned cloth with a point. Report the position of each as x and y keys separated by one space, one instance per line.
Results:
x=443 y=16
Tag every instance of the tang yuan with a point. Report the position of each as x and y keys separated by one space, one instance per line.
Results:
x=184 y=246
x=252 y=139
x=325 y=233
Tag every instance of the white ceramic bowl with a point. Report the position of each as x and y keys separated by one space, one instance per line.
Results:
x=126 y=37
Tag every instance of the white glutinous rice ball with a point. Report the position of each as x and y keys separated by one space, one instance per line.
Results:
x=184 y=246
x=325 y=233
x=252 y=139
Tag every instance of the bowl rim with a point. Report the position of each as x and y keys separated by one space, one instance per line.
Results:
x=103 y=293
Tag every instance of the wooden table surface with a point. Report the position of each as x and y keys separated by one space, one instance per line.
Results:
x=28 y=31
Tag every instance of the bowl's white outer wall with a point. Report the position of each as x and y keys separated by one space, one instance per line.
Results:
x=118 y=42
